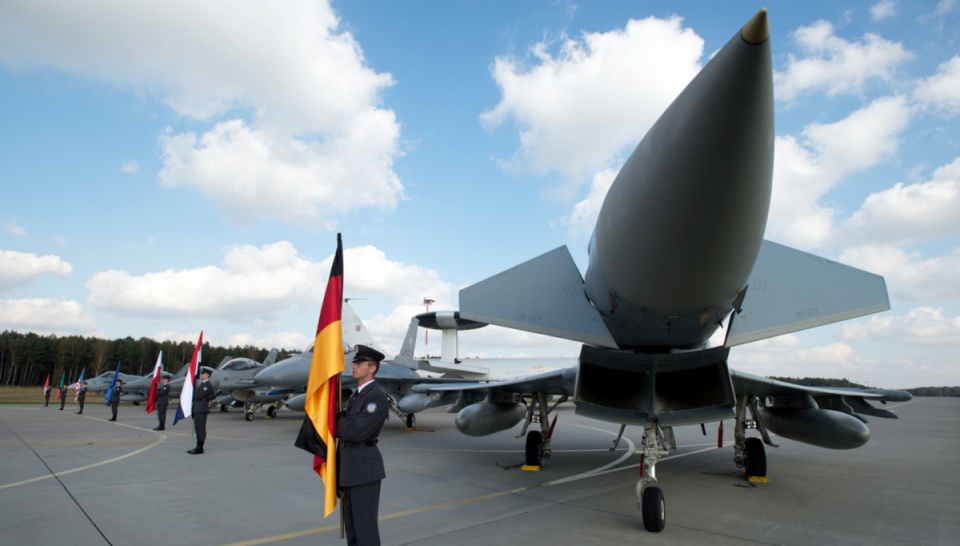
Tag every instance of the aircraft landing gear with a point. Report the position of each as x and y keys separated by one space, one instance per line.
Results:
x=411 y=421
x=248 y=416
x=650 y=498
x=749 y=453
x=538 y=441
x=271 y=411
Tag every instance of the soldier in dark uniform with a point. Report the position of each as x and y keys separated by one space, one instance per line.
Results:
x=62 y=395
x=163 y=400
x=46 y=395
x=115 y=399
x=82 y=396
x=361 y=464
x=202 y=396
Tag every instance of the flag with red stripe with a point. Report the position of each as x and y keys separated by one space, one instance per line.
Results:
x=319 y=430
x=152 y=394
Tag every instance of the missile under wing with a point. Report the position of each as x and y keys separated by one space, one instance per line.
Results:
x=676 y=254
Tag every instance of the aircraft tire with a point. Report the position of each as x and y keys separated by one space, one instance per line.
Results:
x=756 y=463
x=534 y=448
x=411 y=420
x=271 y=411
x=654 y=510
x=248 y=416
x=223 y=408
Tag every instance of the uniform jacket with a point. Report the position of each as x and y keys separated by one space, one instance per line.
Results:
x=361 y=422
x=82 y=394
x=115 y=396
x=202 y=396
x=163 y=395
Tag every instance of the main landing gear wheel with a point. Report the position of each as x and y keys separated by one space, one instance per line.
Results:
x=654 y=509
x=534 y=450
x=223 y=408
x=248 y=416
x=411 y=421
x=756 y=463
x=271 y=411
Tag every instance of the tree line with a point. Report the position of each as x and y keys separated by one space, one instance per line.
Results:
x=826 y=382
x=27 y=359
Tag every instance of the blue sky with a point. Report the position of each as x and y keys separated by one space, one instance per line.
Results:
x=177 y=166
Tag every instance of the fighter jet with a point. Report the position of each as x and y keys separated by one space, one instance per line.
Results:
x=103 y=381
x=403 y=374
x=676 y=254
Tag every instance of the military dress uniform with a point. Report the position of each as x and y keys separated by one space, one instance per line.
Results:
x=361 y=464
x=63 y=395
x=202 y=396
x=115 y=399
x=82 y=396
x=163 y=400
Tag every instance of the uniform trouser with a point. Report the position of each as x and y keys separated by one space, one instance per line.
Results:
x=63 y=400
x=162 y=415
x=361 y=507
x=200 y=427
x=81 y=405
x=113 y=409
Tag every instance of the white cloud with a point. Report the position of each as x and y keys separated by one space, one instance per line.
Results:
x=253 y=173
x=805 y=169
x=577 y=109
x=883 y=10
x=258 y=283
x=835 y=65
x=786 y=356
x=45 y=316
x=942 y=90
x=910 y=277
x=584 y=216
x=923 y=325
x=19 y=268
x=13 y=229
x=909 y=212
x=313 y=105
x=130 y=167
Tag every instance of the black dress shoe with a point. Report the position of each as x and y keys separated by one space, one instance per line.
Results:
x=157 y=428
x=195 y=451
x=112 y=419
x=79 y=412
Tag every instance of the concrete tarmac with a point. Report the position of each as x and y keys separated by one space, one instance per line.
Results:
x=80 y=480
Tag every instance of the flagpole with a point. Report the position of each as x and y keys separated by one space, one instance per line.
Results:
x=337 y=444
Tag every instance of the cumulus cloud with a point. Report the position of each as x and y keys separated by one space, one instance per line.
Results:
x=577 y=108
x=786 y=356
x=585 y=212
x=257 y=283
x=13 y=229
x=130 y=167
x=806 y=168
x=281 y=89
x=923 y=325
x=910 y=276
x=45 y=316
x=19 y=268
x=941 y=91
x=835 y=65
x=883 y=10
x=909 y=212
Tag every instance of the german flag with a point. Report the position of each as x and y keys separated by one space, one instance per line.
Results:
x=319 y=430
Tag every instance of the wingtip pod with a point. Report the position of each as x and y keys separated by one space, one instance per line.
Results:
x=757 y=29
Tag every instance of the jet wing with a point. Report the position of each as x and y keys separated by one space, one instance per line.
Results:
x=791 y=290
x=559 y=381
x=543 y=295
x=851 y=401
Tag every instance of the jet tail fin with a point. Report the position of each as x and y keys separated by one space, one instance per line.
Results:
x=543 y=295
x=405 y=356
x=354 y=330
x=271 y=357
x=791 y=290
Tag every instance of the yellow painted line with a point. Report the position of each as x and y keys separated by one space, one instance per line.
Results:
x=588 y=474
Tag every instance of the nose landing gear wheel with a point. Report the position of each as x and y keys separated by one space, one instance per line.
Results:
x=654 y=510
x=249 y=416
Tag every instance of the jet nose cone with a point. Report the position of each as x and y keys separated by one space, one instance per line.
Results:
x=757 y=29
x=269 y=376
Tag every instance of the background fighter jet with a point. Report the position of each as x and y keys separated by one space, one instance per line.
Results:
x=676 y=254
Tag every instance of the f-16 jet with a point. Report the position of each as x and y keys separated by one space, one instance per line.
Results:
x=678 y=253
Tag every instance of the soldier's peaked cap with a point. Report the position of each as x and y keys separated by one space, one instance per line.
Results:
x=367 y=353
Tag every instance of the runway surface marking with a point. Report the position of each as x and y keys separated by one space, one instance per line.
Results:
x=161 y=438
x=600 y=471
